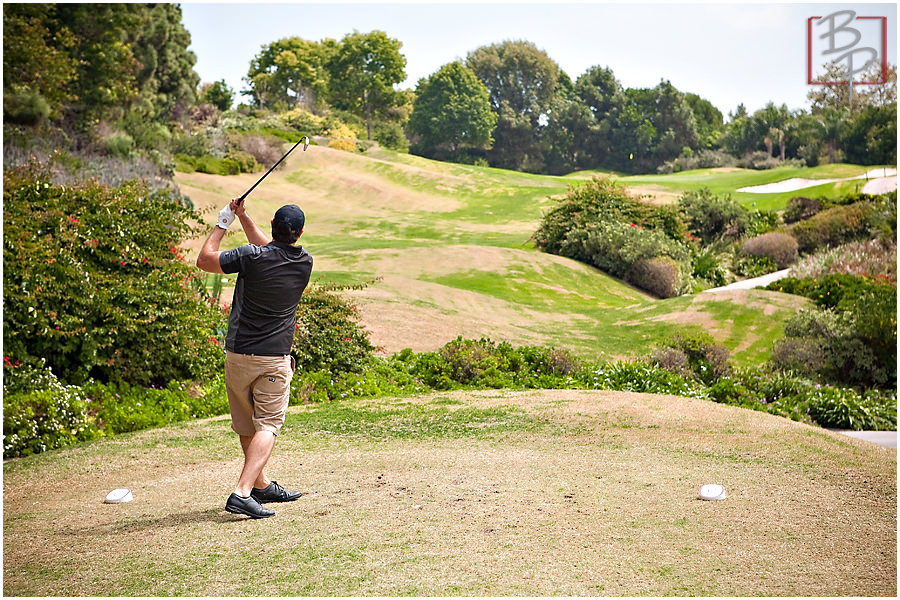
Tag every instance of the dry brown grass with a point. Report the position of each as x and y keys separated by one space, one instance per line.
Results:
x=594 y=494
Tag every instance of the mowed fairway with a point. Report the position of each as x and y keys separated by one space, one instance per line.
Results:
x=444 y=250
x=467 y=494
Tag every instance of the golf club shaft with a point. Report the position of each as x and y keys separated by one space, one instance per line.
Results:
x=272 y=168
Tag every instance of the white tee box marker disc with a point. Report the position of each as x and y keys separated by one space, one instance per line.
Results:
x=712 y=492
x=118 y=496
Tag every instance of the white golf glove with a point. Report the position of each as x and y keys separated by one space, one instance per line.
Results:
x=226 y=218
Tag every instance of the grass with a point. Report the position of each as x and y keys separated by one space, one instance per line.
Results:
x=446 y=249
x=466 y=494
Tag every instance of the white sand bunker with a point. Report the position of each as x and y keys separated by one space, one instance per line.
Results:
x=881 y=181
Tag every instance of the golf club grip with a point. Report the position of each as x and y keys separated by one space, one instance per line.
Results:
x=266 y=174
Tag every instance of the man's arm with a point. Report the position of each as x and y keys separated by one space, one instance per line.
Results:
x=254 y=234
x=208 y=260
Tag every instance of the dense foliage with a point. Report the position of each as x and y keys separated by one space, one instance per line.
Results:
x=94 y=283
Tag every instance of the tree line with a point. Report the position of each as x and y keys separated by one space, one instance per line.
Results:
x=127 y=67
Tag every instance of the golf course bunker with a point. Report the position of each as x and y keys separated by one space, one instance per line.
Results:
x=879 y=181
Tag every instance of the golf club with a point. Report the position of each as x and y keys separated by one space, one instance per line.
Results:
x=304 y=140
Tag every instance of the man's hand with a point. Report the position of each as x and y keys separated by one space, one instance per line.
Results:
x=226 y=217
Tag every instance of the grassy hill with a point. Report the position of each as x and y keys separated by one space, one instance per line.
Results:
x=445 y=249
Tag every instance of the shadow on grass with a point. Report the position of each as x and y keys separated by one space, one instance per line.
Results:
x=129 y=524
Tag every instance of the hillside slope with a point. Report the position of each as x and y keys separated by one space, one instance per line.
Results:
x=445 y=250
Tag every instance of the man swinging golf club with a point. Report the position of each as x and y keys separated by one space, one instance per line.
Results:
x=258 y=366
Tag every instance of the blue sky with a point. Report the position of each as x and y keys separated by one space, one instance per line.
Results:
x=727 y=53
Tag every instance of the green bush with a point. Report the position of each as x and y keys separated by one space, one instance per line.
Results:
x=747 y=265
x=838 y=225
x=706 y=360
x=833 y=290
x=328 y=336
x=805 y=356
x=119 y=144
x=780 y=247
x=94 y=282
x=602 y=201
x=710 y=217
x=122 y=407
x=641 y=377
x=25 y=107
x=845 y=409
x=800 y=208
x=485 y=364
x=616 y=247
x=858 y=337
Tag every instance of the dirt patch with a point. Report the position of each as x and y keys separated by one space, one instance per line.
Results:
x=654 y=194
x=596 y=496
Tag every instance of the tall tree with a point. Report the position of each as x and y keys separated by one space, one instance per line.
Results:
x=364 y=70
x=603 y=98
x=709 y=120
x=452 y=112
x=292 y=71
x=837 y=96
x=36 y=56
x=522 y=81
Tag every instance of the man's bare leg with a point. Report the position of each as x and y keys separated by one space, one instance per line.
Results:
x=257 y=449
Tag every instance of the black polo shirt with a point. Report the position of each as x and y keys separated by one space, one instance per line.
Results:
x=271 y=280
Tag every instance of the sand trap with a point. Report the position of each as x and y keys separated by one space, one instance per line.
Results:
x=882 y=179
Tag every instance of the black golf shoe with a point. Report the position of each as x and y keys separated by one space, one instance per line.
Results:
x=247 y=506
x=273 y=493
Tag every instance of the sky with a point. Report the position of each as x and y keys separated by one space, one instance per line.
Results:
x=727 y=53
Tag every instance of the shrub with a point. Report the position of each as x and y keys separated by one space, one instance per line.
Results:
x=641 y=377
x=25 y=107
x=707 y=265
x=246 y=163
x=118 y=144
x=705 y=159
x=746 y=265
x=831 y=291
x=328 y=336
x=41 y=413
x=345 y=144
x=866 y=258
x=265 y=149
x=94 y=282
x=800 y=208
x=672 y=360
x=800 y=355
x=710 y=217
x=780 y=247
x=659 y=276
x=837 y=225
x=597 y=203
x=859 y=338
x=616 y=247
x=845 y=409
x=706 y=360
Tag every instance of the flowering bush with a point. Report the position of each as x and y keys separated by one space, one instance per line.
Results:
x=40 y=412
x=94 y=282
x=867 y=258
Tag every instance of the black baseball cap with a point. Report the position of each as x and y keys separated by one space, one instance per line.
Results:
x=291 y=216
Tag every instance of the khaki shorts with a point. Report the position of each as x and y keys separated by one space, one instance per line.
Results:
x=258 y=391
